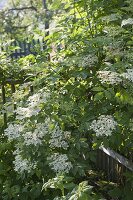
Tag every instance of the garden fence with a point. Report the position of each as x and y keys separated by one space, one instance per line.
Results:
x=113 y=164
x=24 y=48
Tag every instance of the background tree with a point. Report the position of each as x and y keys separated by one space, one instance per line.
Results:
x=23 y=16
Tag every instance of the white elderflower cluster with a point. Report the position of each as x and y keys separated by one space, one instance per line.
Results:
x=109 y=77
x=23 y=113
x=34 y=100
x=128 y=75
x=37 y=99
x=21 y=165
x=36 y=136
x=59 y=163
x=89 y=60
x=67 y=134
x=104 y=125
x=33 y=107
x=13 y=131
x=58 y=138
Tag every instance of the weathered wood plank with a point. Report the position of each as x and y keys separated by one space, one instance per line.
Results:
x=4 y=101
x=13 y=89
x=120 y=159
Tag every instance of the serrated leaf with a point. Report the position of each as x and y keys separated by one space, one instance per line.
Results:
x=97 y=89
x=98 y=96
x=69 y=185
x=107 y=94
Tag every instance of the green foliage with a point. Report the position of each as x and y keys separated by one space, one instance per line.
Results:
x=19 y=17
x=125 y=193
x=82 y=191
x=86 y=38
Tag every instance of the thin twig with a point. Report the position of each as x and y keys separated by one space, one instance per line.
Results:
x=23 y=8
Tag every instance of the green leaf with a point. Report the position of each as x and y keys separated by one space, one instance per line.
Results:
x=69 y=186
x=107 y=94
x=115 y=193
x=99 y=96
x=97 y=89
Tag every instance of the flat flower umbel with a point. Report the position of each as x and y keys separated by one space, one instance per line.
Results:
x=60 y=163
x=104 y=125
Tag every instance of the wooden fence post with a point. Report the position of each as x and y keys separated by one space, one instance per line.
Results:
x=4 y=101
x=13 y=91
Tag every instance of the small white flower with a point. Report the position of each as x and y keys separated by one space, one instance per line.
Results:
x=109 y=77
x=38 y=98
x=13 y=131
x=58 y=138
x=33 y=105
x=89 y=60
x=59 y=163
x=67 y=134
x=104 y=125
x=31 y=138
x=34 y=100
x=21 y=165
x=128 y=75
x=23 y=113
x=36 y=136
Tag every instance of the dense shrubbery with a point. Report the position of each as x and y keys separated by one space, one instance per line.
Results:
x=82 y=99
